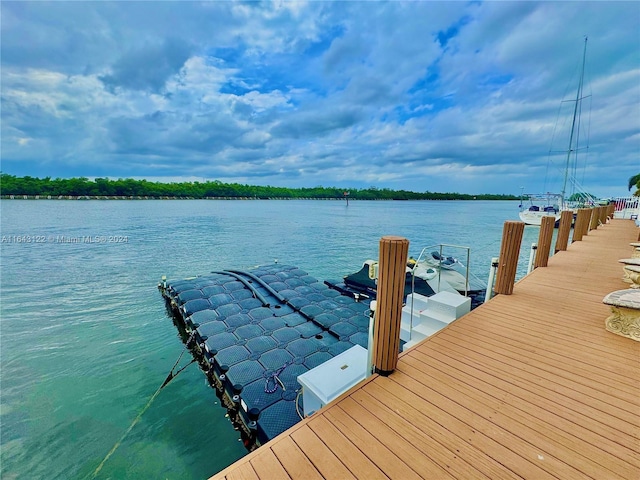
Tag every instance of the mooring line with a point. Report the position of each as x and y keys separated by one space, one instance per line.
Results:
x=170 y=377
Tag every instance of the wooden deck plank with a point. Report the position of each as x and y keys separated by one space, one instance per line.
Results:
x=604 y=412
x=322 y=458
x=529 y=385
x=522 y=457
x=352 y=457
x=469 y=437
x=533 y=430
x=527 y=396
x=294 y=461
x=267 y=466
x=493 y=318
x=498 y=398
x=405 y=451
x=542 y=360
x=244 y=472
x=404 y=404
x=377 y=452
x=447 y=460
x=531 y=339
x=580 y=363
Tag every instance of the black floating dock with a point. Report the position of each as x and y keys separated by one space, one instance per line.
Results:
x=253 y=332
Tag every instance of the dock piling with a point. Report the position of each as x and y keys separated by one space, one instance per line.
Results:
x=544 y=241
x=595 y=216
x=566 y=217
x=508 y=260
x=603 y=214
x=582 y=224
x=391 y=280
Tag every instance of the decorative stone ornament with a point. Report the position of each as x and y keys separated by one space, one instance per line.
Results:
x=625 y=313
x=633 y=274
x=628 y=262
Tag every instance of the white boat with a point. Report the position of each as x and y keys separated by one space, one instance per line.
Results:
x=552 y=204
x=432 y=272
x=435 y=267
x=438 y=290
x=540 y=206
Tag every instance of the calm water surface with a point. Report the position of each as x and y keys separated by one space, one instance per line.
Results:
x=85 y=339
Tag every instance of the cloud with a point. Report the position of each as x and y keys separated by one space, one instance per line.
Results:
x=408 y=95
x=149 y=67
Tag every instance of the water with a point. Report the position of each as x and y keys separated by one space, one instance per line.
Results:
x=85 y=339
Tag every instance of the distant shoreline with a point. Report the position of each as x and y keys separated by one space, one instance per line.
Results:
x=12 y=187
x=135 y=197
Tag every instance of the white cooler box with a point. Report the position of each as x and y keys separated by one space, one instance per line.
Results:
x=331 y=379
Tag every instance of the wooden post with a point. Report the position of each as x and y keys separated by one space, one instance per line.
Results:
x=509 y=253
x=544 y=241
x=603 y=215
x=566 y=217
x=596 y=212
x=593 y=224
x=582 y=224
x=611 y=210
x=392 y=266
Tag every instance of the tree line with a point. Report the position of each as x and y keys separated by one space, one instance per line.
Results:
x=634 y=181
x=104 y=187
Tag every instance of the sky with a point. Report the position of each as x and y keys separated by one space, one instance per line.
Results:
x=469 y=97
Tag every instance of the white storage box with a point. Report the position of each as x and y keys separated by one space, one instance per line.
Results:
x=331 y=379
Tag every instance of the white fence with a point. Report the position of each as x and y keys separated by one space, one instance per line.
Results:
x=627 y=207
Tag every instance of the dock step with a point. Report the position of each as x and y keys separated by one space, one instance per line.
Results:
x=447 y=307
x=430 y=315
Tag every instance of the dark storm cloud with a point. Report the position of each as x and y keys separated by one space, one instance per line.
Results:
x=148 y=67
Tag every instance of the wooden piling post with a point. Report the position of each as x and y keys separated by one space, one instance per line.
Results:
x=566 y=217
x=603 y=215
x=611 y=209
x=593 y=224
x=596 y=213
x=544 y=241
x=582 y=224
x=509 y=252
x=391 y=280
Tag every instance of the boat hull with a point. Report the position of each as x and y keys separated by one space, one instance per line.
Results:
x=535 y=218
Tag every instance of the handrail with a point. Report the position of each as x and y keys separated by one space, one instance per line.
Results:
x=422 y=255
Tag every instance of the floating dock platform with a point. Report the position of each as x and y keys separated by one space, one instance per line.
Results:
x=529 y=385
x=254 y=332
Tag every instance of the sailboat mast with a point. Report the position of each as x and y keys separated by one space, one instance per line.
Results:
x=573 y=123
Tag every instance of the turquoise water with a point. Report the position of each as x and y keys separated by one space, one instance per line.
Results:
x=85 y=339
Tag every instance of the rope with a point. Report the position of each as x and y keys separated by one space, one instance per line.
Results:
x=115 y=447
x=170 y=377
x=276 y=380
x=298 y=406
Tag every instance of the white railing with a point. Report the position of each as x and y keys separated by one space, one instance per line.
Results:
x=627 y=207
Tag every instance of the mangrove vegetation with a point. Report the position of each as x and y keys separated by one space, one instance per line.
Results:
x=107 y=188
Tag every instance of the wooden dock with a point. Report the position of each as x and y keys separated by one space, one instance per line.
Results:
x=529 y=385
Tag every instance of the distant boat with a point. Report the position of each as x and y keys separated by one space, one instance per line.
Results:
x=545 y=205
x=552 y=204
